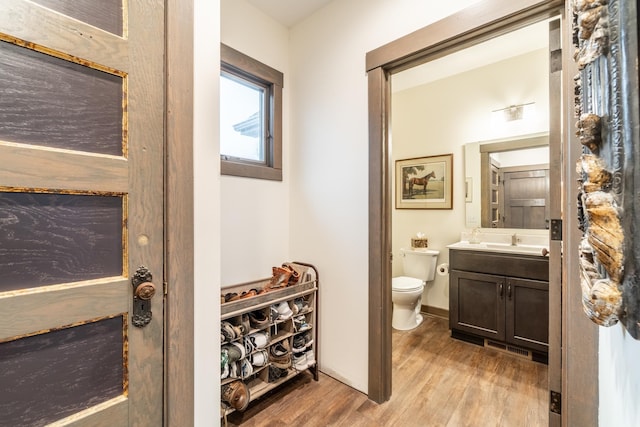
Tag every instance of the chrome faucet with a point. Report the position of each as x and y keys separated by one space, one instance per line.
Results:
x=514 y=239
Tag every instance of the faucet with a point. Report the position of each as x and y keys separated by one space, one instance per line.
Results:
x=514 y=239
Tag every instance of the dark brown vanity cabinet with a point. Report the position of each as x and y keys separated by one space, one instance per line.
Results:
x=503 y=297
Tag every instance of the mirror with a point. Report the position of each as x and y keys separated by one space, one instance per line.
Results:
x=507 y=183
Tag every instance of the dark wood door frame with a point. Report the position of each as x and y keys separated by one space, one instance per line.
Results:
x=179 y=238
x=477 y=23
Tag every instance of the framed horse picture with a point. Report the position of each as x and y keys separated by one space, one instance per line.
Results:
x=425 y=182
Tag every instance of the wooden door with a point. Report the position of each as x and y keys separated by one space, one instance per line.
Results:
x=526 y=199
x=81 y=209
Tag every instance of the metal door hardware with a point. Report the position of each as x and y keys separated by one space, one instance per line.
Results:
x=143 y=291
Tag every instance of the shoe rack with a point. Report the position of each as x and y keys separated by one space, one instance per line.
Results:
x=277 y=330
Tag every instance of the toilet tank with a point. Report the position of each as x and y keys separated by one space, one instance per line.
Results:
x=419 y=263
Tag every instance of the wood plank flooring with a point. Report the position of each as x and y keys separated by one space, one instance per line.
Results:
x=437 y=381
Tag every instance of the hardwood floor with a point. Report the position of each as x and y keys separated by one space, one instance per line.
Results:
x=437 y=381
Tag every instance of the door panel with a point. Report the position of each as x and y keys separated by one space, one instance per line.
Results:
x=105 y=14
x=55 y=374
x=57 y=103
x=56 y=238
x=81 y=208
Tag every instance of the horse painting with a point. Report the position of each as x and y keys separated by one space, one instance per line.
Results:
x=421 y=181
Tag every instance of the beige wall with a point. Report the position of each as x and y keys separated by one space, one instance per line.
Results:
x=255 y=213
x=440 y=118
x=206 y=171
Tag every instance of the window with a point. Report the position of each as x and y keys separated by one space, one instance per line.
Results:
x=250 y=117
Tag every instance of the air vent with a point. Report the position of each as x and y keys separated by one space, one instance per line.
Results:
x=520 y=352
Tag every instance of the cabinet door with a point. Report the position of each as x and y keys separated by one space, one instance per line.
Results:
x=527 y=311
x=476 y=304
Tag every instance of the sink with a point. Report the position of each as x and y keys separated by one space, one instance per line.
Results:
x=521 y=249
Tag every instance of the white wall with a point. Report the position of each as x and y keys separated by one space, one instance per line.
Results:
x=255 y=212
x=440 y=118
x=206 y=212
x=619 y=378
x=329 y=133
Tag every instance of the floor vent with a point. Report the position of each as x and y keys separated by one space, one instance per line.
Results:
x=520 y=352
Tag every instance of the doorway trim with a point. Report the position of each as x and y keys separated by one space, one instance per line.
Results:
x=479 y=22
x=179 y=400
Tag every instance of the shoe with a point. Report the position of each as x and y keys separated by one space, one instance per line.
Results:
x=299 y=343
x=280 y=349
x=234 y=370
x=224 y=363
x=276 y=373
x=273 y=313
x=246 y=324
x=299 y=305
x=258 y=319
x=300 y=362
x=294 y=276
x=279 y=355
x=308 y=339
x=300 y=323
x=246 y=368
x=235 y=350
x=311 y=358
x=227 y=331
x=259 y=358
x=284 y=311
x=236 y=395
x=258 y=340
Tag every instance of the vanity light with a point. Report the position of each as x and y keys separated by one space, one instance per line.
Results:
x=514 y=112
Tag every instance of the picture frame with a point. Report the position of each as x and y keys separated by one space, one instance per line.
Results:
x=425 y=182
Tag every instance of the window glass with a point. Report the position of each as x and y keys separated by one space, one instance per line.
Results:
x=242 y=124
x=250 y=117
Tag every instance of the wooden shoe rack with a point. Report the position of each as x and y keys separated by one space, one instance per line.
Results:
x=280 y=331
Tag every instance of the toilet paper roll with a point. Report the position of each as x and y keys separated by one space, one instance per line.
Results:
x=443 y=269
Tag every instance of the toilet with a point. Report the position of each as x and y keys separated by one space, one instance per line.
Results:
x=419 y=267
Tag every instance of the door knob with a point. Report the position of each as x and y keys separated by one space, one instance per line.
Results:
x=143 y=291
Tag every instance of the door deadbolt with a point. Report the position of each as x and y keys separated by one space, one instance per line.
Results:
x=143 y=291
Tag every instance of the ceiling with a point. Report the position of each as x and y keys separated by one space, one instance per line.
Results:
x=289 y=12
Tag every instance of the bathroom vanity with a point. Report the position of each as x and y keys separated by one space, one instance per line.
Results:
x=499 y=297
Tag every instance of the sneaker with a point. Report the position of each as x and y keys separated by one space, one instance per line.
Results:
x=300 y=361
x=300 y=323
x=308 y=339
x=246 y=368
x=234 y=370
x=227 y=331
x=299 y=305
x=235 y=350
x=311 y=358
x=258 y=340
x=299 y=344
x=284 y=311
x=259 y=358
x=224 y=363
x=273 y=314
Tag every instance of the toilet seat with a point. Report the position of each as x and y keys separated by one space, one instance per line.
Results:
x=406 y=284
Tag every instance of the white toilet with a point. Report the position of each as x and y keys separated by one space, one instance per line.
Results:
x=419 y=266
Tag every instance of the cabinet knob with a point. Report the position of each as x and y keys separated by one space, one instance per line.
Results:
x=501 y=289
